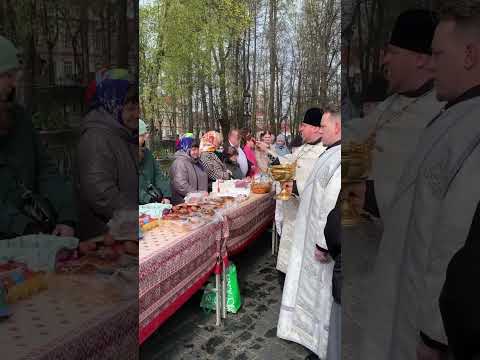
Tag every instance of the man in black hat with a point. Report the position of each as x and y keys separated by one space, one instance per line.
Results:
x=305 y=156
x=396 y=124
x=431 y=213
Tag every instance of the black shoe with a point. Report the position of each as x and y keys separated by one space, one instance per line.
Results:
x=312 y=356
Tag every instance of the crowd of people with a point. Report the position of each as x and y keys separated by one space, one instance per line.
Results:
x=116 y=172
x=200 y=162
x=309 y=258
x=423 y=188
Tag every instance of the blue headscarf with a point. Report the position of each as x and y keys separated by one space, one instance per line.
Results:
x=111 y=90
x=186 y=143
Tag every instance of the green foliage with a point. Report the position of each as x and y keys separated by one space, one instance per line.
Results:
x=177 y=38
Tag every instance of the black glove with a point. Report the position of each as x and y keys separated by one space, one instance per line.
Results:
x=37 y=228
x=156 y=199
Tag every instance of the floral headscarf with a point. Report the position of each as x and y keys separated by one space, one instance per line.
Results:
x=208 y=141
x=110 y=92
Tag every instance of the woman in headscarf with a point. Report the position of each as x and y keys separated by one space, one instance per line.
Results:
x=187 y=174
x=149 y=182
x=211 y=161
x=281 y=146
x=107 y=154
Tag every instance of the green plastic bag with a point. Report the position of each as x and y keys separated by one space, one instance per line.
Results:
x=234 y=300
x=209 y=299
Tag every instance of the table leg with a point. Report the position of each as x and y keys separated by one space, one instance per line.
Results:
x=224 y=291
x=274 y=238
x=217 y=290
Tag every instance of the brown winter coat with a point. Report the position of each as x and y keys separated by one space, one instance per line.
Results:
x=107 y=172
x=186 y=175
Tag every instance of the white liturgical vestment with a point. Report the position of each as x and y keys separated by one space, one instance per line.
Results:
x=401 y=121
x=306 y=156
x=307 y=295
x=428 y=223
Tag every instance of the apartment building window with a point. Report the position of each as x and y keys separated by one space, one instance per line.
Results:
x=99 y=41
x=67 y=40
x=68 y=69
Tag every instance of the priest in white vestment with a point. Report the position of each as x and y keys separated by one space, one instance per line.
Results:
x=307 y=296
x=398 y=122
x=305 y=155
x=432 y=208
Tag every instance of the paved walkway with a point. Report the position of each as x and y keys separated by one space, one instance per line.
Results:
x=251 y=333
x=248 y=335
x=359 y=250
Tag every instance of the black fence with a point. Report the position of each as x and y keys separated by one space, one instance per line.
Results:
x=61 y=147
x=162 y=149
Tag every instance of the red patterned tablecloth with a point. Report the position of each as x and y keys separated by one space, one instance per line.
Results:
x=70 y=322
x=172 y=268
x=246 y=222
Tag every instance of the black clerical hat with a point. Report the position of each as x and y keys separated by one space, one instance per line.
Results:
x=313 y=116
x=414 y=30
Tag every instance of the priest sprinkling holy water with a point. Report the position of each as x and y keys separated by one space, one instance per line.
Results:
x=433 y=206
x=394 y=127
x=305 y=157
x=305 y=314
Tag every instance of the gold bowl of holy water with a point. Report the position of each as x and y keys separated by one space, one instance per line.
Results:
x=355 y=162
x=355 y=168
x=283 y=173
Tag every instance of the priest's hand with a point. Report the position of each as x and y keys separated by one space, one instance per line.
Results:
x=322 y=256
x=288 y=186
x=356 y=194
x=425 y=352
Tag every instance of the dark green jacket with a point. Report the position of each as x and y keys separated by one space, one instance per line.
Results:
x=235 y=169
x=149 y=174
x=24 y=159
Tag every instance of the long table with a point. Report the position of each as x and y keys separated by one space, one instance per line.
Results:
x=247 y=222
x=173 y=266
x=71 y=321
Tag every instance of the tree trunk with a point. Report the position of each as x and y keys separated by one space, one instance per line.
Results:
x=246 y=81
x=213 y=117
x=136 y=40
x=13 y=26
x=190 y=99
x=173 y=128
x=224 y=121
x=254 y=90
x=279 y=99
x=203 y=96
x=29 y=73
x=109 y=32
x=273 y=60
x=299 y=96
x=51 y=66
x=84 y=30
x=3 y=19
x=122 y=49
